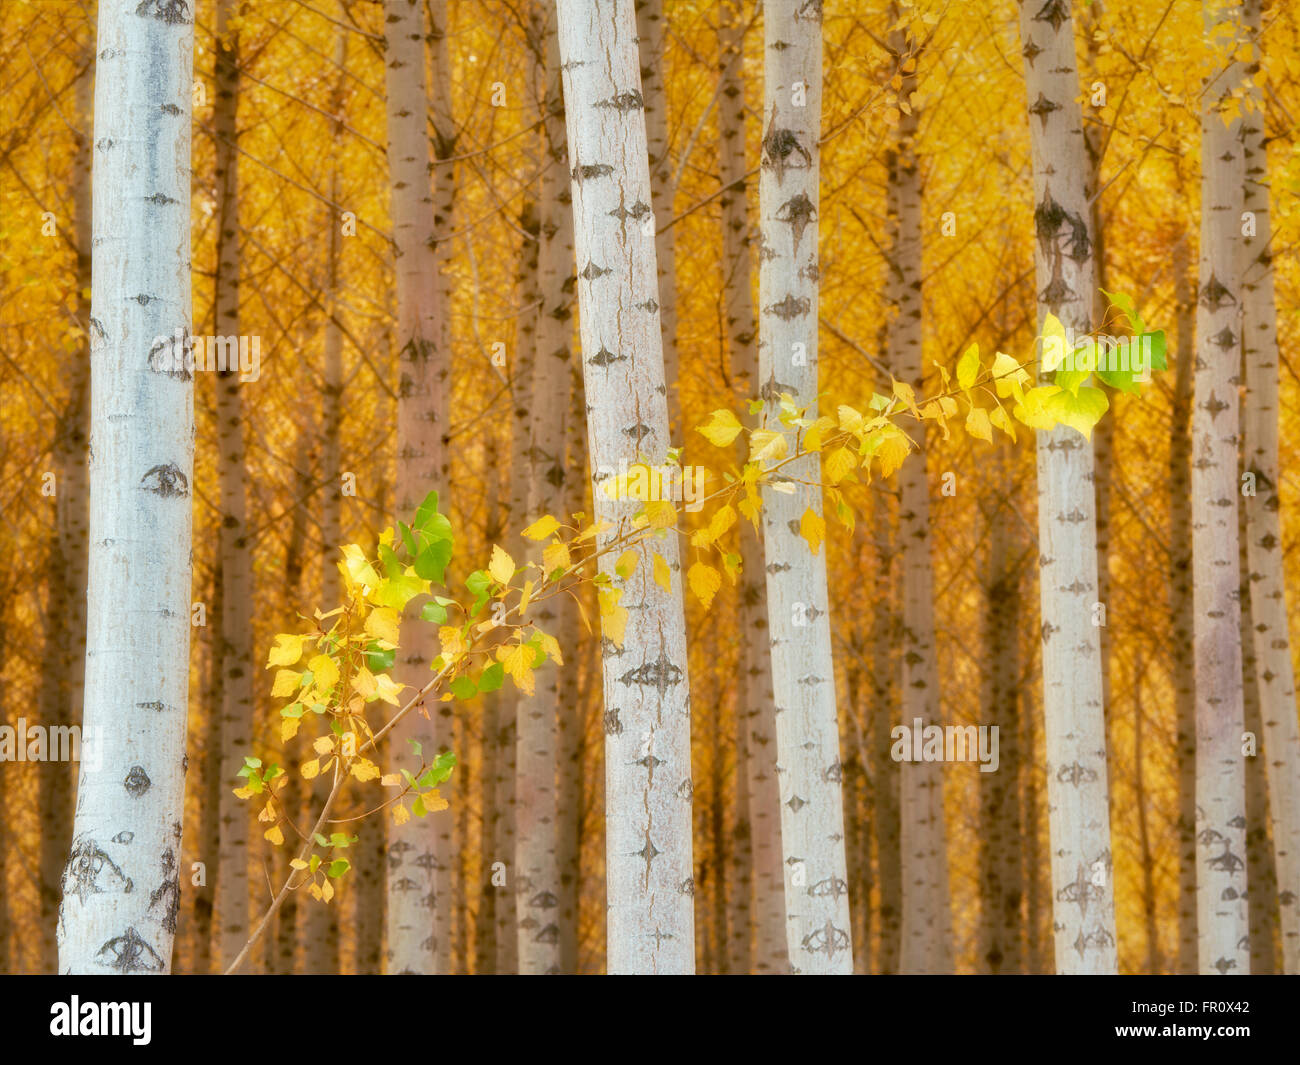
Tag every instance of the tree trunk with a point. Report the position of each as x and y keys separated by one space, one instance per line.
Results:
x=647 y=692
x=1082 y=883
x=1180 y=606
x=927 y=919
x=818 y=935
x=884 y=770
x=756 y=742
x=652 y=30
x=1280 y=746
x=232 y=898
x=417 y=924
x=1223 y=934
x=121 y=890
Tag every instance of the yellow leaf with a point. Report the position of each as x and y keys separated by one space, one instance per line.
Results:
x=274 y=835
x=401 y=814
x=451 y=640
x=704 y=581
x=968 y=368
x=767 y=444
x=388 y=689
x=812 y=527
x=892 y=451
x=541 y=528
x=551 y=646
x=663 y=576
x=289 y=728
x=723 y=519
x=287 y=650
x=286 y=683
x=325 y=673
x=243 y=793
x=905 y=393
x=977 y=424
x=661 y=513
x=383 y=624
x=502 y=566
x=327 y=891
x=721 y=429
x=626 y=564
x=323 y=744
x=391 y=780
x=1008 y=377
x=839 y=464
x=363 y=681
x=518 y=662
x=850 y=420
x=364 y=769
x=556 y=557
x=298 y=863
x=998 y=416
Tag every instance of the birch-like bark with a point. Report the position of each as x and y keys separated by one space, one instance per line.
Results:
x=1083 y=899
x=237 y=673
x=1180 y=604
x=757 y=771
x=417 y=924
x=648 y=863
x=927 y=918
x=121 y=891
x=652 y=30
x=537 y=870
x=1223 y=934
x=1280 y=743
x=818 y=936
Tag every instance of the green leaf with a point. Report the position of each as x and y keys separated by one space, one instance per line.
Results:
x=463 y=687
x=417 y=807
x=431 y=562
x=293 y=710
x=425 y=512
x=492 y=677
x=392 y=564
x=435 y=612
x=338 y=867
x=1081 y=412
x=321 y=840
x=377 y=659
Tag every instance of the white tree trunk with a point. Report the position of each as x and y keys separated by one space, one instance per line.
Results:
x=818 y=936
x=121 y=891
x=537 y=871
x=927 y=918
x=1280 y=746
x=1083 y=894
x=648 y=863
x=1223 y=933
x=755 y=705
x=652 y=30
x=416 y=920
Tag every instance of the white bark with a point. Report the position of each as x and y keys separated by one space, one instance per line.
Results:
x=756 y=708
x=648 y=862
x=1083 y=905
x=818 y=936
x=417 y=924
x=1280 y=744
x=1223 y=933
x=652 y=30
x=121 y=891
x=927 y=918
x=537 y=871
